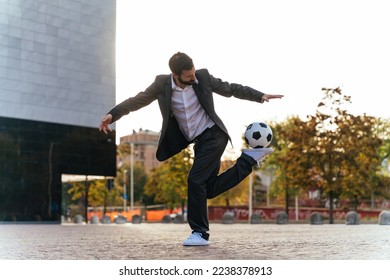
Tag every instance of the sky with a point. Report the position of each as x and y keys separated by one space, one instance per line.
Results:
x=294 y=48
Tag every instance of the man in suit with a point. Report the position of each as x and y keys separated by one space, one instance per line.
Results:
x=185 y=98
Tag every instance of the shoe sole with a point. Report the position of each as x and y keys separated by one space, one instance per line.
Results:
x=192 y=245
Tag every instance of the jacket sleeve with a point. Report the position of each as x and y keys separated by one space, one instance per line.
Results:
x=236 y=90
x=137 y=102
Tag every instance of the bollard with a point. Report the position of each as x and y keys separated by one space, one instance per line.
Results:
x=136 y=219
x=166 y=219
x=281 y=218
x=384 y=217
x=228 y=218
x=352 y=218
x=316 y=219
x=121 y=220
x=255 y=218
x=94 y=220
x=78 y=219
x=106 y=219
x=178 y=219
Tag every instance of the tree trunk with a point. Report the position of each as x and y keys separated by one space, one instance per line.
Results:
x=105 y=203
x=287 y=199
x=331 y=207
x=86 y=199
x=356 y=203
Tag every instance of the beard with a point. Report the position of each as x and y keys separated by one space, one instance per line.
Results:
x=187 y=83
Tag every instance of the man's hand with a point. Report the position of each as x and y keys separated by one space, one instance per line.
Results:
x=267 y=97
x=104 y=124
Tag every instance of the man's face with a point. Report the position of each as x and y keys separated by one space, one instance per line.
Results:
x=187 y=77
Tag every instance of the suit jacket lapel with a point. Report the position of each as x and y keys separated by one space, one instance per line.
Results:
x=201 y=97
x=168 y=96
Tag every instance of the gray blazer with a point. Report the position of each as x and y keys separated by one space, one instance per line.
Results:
x=172 y=140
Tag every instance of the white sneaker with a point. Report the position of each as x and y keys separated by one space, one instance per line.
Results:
x=258 y=154
x=195 y=239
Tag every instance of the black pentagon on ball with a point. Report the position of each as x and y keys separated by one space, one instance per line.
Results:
x=256 y=135
x=269 y=137
x=263 y=125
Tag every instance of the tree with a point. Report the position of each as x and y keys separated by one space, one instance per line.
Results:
x=384 y=133
x=168 y=182
x=123 y=175
x=235 y=196
x=93 y=193
x=139 y=180
x=348 y=149
x=333 y=151
x=290 y=159
x=362 y=161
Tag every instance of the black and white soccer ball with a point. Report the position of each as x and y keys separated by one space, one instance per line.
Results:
x=258 y=135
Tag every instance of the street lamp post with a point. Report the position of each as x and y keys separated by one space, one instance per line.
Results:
x=124 y=191
x=131 y=176
x=250 y=196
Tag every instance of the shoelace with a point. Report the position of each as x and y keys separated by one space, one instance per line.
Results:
x=195 y=234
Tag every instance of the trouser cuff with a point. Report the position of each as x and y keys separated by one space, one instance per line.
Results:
x=248 y=159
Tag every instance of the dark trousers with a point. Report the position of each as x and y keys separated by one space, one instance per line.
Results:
x=204 y=180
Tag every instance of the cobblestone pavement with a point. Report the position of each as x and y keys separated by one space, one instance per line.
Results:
x=163 y=241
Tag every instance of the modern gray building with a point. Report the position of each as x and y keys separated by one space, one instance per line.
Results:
x=57 y=79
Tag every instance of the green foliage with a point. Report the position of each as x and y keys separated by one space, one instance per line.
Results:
x=123 y=178
x=168 y=183
x=97 y=191
x=333 y=151
x=235 y=196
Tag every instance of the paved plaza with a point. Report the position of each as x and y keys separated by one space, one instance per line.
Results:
x=148 y=241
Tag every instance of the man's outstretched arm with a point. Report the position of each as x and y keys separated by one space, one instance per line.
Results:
x=267 y=97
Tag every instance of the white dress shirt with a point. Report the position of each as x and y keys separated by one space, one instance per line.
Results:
x=190 y=115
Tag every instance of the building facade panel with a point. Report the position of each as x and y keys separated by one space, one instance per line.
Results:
x=57 y=77
x=58 y=57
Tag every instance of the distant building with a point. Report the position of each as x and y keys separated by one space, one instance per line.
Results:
x=57 y=78
x=144 y=148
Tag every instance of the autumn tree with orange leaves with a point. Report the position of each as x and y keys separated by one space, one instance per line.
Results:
x=332 y=150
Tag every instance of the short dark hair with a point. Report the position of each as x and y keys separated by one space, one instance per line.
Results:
x=179 y=62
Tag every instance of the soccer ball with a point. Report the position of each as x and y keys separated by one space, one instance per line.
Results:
x=258 y=135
